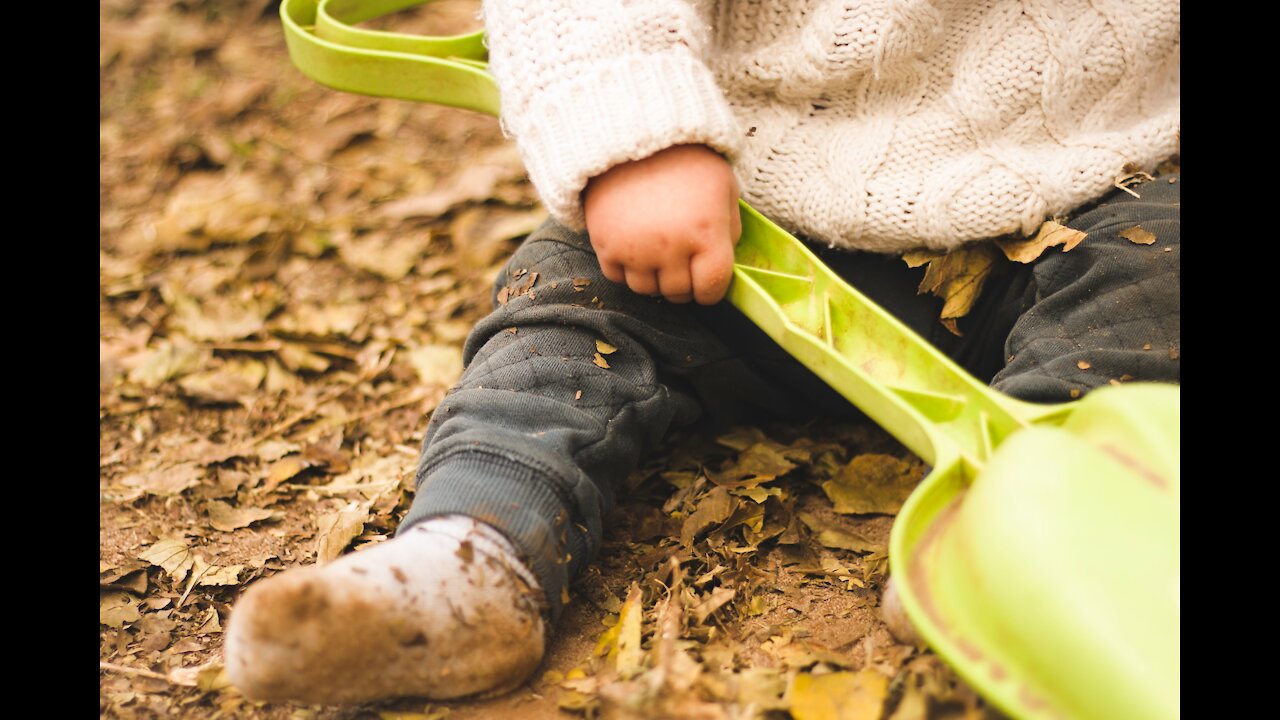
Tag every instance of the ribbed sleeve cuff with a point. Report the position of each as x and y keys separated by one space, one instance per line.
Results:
x=621 y=110
x=518 y=501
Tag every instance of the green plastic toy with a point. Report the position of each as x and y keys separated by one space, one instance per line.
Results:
x=1041 y=555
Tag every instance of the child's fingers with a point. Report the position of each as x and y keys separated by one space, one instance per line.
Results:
x=675 y=284
x=613 y=271
x=642 y=282
x=711 y=271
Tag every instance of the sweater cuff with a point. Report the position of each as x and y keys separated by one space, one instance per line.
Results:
x=622 y=110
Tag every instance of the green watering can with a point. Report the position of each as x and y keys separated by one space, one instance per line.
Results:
x=1040 y=557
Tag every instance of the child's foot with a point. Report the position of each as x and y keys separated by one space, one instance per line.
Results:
x=442 y=611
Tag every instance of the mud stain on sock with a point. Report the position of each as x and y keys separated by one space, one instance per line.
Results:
x=466 y=552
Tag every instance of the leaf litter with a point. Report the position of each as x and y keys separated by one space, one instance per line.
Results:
x=288 y=275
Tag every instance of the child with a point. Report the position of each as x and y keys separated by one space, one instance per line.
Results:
x=882 y=125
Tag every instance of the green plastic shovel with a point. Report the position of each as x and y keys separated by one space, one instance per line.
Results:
x=1040 y=557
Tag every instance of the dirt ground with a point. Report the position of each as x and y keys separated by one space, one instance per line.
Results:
x=287 y=275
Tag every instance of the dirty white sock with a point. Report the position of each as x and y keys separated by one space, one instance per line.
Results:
x=443 y=610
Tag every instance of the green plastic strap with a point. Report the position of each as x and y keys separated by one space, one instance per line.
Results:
x=440 y=71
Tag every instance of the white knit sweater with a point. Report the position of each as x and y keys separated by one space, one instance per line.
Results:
x=871 y=124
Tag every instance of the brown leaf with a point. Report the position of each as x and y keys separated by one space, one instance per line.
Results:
x=208 y=207
x=1137 y=235
x=217 y=319
x=390 y=258
x=235 y=381
x=117 y=609
x=168 y=360
x=714 y=508
x=208 y=575
x=336 y=530
x=958 y=277
x=1050 y=234
x=833 y=536
x=311 y=320
x=873 y=483
x=474 y=181
x=480 y=233
x=710 y=603
x=167 y=482
x=226 y=518
x=173 y=555
x=209 y=624
x=298 y=358
x=759 y=463
x=283 y=470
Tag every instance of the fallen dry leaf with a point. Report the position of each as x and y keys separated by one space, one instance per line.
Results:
x=167 y=482
x=173 y=555
x=600 y=361
x=168 y=360
x=298 y=358
x=321 y=321
x=1083 y=364
x=391 y=258
x=605 y=348
x=474 y=181
x=714 y=508
x=1050 y=234
x=231 y=383
x=226 y=518
x=479 y=233
x=873 y=483
x=838 y=696
x=202 y=573
x=832 y=535
x=117 y=609
x=283 y=470
x=336 y=530
x=217 y=319
x=1137 y=235
x=956 y=277
x=437 y=364
x=210 y=623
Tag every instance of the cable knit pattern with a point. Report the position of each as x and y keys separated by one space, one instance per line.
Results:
x=880 y=125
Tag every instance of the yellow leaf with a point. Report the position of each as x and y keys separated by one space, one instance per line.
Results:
x=605 y=348
x=838 y=696
x=628 y=655
x=437 y=364
x=873 y=483
x=284 y=469
x=957 y=278
x=600 y=361
x=174 y=555
x=1051 y=234
x=1137 y=235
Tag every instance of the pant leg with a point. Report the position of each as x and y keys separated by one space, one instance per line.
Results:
x=1109 y=305
x=538 y=435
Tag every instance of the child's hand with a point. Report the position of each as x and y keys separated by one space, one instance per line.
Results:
x=666 y=225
